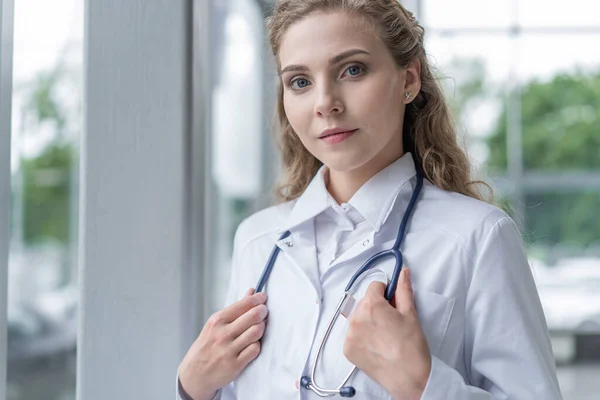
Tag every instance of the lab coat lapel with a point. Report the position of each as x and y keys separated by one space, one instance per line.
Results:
x=301 y=250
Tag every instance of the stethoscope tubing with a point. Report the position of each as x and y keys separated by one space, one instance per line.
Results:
x=348 y=391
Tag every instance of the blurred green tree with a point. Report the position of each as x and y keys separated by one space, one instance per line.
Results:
x=46 y=194
x=46 y=177
x=561 y=125
x=561 y=132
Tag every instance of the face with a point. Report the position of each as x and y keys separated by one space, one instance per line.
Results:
x=338 y=76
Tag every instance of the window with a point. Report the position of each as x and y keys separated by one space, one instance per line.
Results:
x=526 y=88
x=238 y=130
x=46 y=105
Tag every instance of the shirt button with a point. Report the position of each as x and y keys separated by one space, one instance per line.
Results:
x=289 y=244
x=366 y=243
x=297 y=385
x=316 y=301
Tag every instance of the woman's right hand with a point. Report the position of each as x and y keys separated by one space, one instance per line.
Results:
x=228 y=342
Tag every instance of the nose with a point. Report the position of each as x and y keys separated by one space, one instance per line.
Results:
x=328 y=102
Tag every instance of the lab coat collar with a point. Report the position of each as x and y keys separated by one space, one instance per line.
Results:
x=312 y=202
x=374 y=200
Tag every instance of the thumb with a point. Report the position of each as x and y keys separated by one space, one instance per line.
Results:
x=403 y=296
x=376 y=289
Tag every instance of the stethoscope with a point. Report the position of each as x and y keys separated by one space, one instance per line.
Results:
x=348 y=391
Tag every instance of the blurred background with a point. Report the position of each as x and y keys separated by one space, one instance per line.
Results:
x=523 y=79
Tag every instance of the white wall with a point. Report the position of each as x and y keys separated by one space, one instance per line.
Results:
x=139 y=260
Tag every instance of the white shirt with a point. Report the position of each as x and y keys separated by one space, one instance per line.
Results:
x=337 y=229
x=474 y=291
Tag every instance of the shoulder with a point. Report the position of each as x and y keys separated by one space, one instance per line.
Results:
x=261 y=224
x=466 y=220
x=457 y=209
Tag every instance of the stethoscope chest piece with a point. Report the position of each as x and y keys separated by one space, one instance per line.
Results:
x=345 y=391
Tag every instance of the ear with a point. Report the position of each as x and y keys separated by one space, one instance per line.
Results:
x=412 y=81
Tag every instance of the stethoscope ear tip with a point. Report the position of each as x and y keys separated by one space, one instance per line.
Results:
x=347 y=391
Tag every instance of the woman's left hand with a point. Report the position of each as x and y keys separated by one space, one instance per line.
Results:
x=387 y=342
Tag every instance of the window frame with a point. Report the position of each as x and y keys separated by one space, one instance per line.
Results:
x=142 y=197
x=6 y=56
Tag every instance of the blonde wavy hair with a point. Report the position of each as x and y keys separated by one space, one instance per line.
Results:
x=428 y=133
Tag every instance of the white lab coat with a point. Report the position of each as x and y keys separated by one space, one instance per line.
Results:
x=474 y=293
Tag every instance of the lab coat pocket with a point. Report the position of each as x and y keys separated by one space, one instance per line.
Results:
x=434 y=311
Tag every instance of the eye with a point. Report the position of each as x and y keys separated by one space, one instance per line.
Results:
x=354 y=70
x=299 y=83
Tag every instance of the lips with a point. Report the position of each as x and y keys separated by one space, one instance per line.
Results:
x=335 y=131
x=337 y=137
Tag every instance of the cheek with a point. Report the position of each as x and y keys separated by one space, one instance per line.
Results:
x=382 y=106
x=295 y=111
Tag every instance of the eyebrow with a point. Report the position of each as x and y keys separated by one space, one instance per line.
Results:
x=334 y=60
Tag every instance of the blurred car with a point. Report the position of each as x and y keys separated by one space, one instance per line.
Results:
x=570 y=294
x=44 y=327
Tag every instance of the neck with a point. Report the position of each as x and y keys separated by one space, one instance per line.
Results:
x=343 y=185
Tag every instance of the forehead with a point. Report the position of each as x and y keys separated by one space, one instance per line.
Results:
x=319 y=36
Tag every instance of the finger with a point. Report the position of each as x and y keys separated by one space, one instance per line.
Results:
x=239 y=308
x=249 y=353
x=403 y=296
x=253 y=316
x=376 y=289
x=249 y=336
x=249 y=292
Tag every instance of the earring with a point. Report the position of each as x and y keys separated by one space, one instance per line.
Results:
x=407 y=95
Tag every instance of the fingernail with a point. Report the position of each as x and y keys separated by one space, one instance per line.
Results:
x=407 y=274
x=263 y=312
x=260 y=298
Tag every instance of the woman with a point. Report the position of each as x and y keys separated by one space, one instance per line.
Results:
x=362 y=118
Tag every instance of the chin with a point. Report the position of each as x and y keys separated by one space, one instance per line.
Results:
x=344 y=162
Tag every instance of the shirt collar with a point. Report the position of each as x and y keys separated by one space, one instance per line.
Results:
x=373 y=200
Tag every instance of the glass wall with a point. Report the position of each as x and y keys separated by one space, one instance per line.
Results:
x=238 y=140
x=47 y=94
x=523 y=76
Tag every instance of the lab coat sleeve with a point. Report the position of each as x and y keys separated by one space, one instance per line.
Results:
x=507 y=347
x=227 y=392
